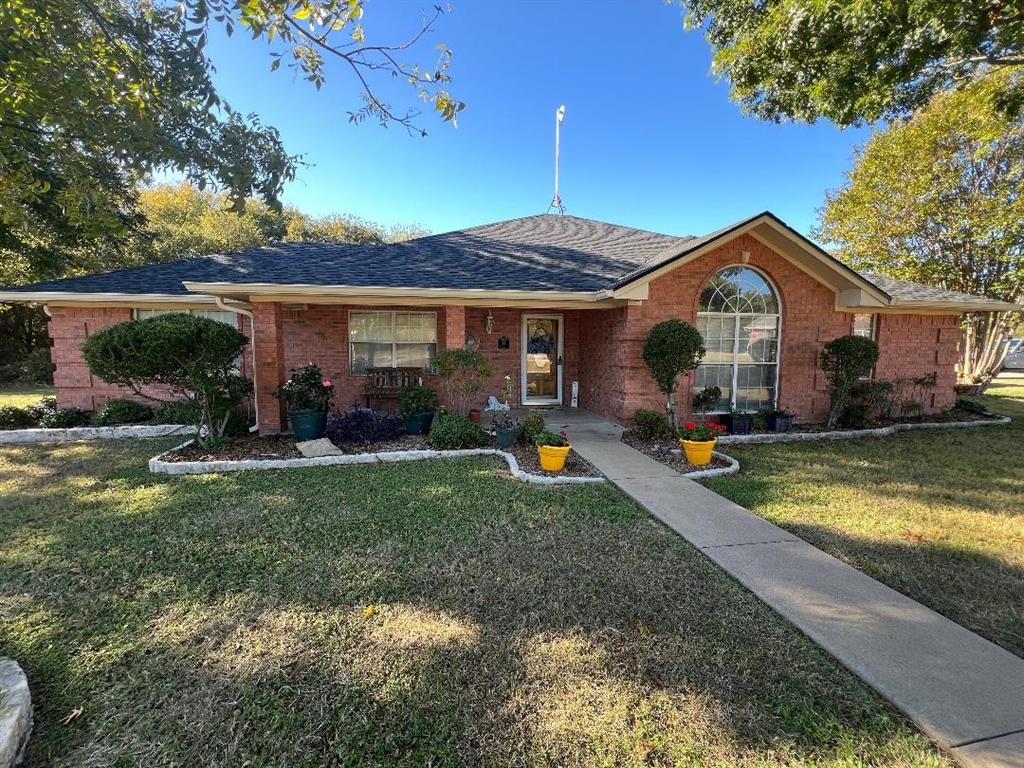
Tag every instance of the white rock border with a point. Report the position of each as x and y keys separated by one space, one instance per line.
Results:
x=703 y=474
x=158 y=465
x=850 y=434
x=15 y=713
x=76 y=434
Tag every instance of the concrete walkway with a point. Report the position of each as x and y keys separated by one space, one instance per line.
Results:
x=963 y=691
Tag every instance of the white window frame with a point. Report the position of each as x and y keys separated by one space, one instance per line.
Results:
x=233 y=323
x=394 y=343
x=737 y=316
x=873 y=335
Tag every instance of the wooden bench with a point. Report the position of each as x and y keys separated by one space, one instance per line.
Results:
x=384 y=384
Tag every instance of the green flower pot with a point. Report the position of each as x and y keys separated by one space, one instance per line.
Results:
x=418 y=423
x=506 y=438
x=308 y=424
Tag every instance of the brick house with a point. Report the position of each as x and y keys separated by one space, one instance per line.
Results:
x=559 y=304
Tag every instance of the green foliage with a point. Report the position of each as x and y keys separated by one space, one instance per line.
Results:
x=651 y=425
x=852 y=62
x=417 y=398
x=707 y=399
x=552 y=439
x=307 y=390
x=532 y=425
x=701 y=432
x=971 y=406
x=463 y=375
x=455 y=432
x=936 y=200
x=65 y=418
x=114 y=412
x=176 y=412
x=672 y=348
x=869 y=401
x=189 y=354
x=43 y=407
x=845 y=360
x=13 y=417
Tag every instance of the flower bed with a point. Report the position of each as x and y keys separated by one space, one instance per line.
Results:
x=671 y=455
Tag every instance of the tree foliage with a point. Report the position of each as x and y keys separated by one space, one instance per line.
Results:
x=672 y=348
x=186 y=354
x=853 y=61
x=936 y=199
x=845 y=360
x=463 y=373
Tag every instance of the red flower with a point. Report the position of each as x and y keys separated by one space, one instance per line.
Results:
x=690 y=425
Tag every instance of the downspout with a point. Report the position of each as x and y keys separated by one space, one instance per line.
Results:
x=252 y=342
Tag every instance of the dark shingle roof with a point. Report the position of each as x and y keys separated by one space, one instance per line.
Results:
x=905 y=290
x=536 y=253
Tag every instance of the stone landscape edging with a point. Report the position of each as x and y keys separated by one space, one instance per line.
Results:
x=703 y=474
x=157 y=464
x=850 y=434
x=75 y=434
x=15 y=713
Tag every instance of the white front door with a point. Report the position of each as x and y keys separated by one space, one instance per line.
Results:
x=542 y=363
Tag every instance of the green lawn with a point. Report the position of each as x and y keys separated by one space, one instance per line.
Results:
x=936 y=515
x=21 y=395
x=413 y=614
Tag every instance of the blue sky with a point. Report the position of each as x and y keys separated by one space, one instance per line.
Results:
x=650 y=138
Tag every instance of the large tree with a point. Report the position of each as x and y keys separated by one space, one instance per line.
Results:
x=857 y=60
x=937 y=199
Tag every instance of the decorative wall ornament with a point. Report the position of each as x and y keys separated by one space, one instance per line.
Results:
x=472 y=343
x=504 y=342
x=489 y=323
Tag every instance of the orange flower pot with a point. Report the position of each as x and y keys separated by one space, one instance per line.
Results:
x=698 y=452
x=552 y=458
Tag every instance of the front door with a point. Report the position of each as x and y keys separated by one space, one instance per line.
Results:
x=542 y=359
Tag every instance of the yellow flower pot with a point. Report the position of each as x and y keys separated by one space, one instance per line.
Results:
x=552 y=458
x=698 y=452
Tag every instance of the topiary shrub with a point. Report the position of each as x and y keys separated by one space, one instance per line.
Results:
x=845 y=360
x=463 y=375
x=532 y=425
x=114 y=412
x=188 y=354
x=651 y=425
x=455 y=432
x=671 y=349
x=13 y=417
x=362 y=425
x=66 y=418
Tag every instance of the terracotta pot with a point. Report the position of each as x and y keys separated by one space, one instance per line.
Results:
x=474 y=415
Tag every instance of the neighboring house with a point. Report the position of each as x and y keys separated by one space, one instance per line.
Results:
x=552 y=300
x=1015 y=355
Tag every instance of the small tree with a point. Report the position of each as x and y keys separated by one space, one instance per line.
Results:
x=672 y=348
x=187 y=354
x=845 y=360
x=706 y=399
x=463 y=374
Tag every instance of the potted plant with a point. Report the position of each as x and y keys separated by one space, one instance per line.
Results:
x=417 y=404
x=308 y=395
x=698 y=441
x=506 y=430
x=552 y=449
x=779 y=420
x=738 y=423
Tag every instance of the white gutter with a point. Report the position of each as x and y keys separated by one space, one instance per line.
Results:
x=252 y=342
x=131 y=299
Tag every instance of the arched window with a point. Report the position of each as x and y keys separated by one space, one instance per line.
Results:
x=739 y=320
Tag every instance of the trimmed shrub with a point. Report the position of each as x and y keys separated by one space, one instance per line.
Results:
x=362 y=425
x=651 y=425
x=43 y=407
x=532 y=425
x=456 y=431
x=671 y=349
x=190 y=354
x=13 y=417
x=416 y=399
x=176 y=412
x=115 y=412
x=66 y=418
x=845 y=360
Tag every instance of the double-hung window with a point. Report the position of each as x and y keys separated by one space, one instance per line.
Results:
x=391 y=339
x=866 y=326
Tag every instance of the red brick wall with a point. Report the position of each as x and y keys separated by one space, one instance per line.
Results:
x=615 y=382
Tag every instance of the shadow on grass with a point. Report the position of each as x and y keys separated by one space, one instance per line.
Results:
x=401 y=615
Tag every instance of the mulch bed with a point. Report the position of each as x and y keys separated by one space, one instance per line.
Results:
x=283 y=447
x=669 y=453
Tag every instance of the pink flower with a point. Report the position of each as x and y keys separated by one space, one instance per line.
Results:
x=327 y=383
